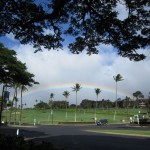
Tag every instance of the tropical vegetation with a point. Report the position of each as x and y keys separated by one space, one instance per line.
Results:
x=66 y=95
x=90 y=23
x=76 y=88
x=117 y=78
x=17 y=142
x=13 y=74
x=97 y=91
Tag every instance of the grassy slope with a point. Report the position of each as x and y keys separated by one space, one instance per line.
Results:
x=85 y=115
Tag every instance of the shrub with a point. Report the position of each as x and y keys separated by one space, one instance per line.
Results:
x=18 y=143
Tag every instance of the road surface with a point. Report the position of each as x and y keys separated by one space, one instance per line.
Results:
x=76 y=137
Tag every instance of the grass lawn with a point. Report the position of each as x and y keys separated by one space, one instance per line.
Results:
x=127 y=132
x=43 y=116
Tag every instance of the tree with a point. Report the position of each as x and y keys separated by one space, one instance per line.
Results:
x=137 y=95
x=66 y=95
x=16 y=101
x=90 y=22
x=36 y=102
x=117 y=78
x=20 y=79
x=12 y=72
x=8 y=61
x=85 y=104
x=41 y=105
x=127 y=103
x=51 y=96
x=23 y=89
x=7 y=68
x=51 y=105
x=76 y=88
x=148 y=103
x=97 y=91
x=60 y=104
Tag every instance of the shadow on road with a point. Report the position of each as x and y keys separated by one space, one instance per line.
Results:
x=22 y=132
x=75 y=138
x=97 y=142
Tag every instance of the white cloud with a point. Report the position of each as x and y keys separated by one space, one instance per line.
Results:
x=57 y=68
x=10 y=36
x=122 y=11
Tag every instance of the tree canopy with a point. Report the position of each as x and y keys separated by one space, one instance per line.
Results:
x=118 y=77
x=76 y=87
x=138 y=94
x=97 y=91
x=41 y=105
x=13 y=71
x=66 y=94
x=90 y=23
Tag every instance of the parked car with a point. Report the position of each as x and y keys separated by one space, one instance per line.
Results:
x=102 y=122
x=141 y=120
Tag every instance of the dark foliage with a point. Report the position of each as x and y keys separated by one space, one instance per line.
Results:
x=12 y=72
x=89 y=22
x=18 y=143
x=42 y=105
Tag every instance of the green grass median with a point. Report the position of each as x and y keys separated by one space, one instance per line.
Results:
x=125 y=132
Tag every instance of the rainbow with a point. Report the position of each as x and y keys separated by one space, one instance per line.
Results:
x=68 y=86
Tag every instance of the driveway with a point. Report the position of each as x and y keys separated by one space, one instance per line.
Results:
x=77 y=138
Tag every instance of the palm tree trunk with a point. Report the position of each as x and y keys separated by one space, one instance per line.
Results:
x=11 y=108
x=15 y=105
x=116 y=96
x=75 y=117
x=1 y=106
x=52 y=110
x=96 y=109
x=116 y=104
x=66 y=109
x=21 y=105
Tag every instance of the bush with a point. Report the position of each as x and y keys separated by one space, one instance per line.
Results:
x=75 y=123
x=18 y=143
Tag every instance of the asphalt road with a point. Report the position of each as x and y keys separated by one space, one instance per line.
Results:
x=77 y=138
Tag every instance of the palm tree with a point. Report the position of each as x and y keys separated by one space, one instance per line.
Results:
x=127 y=103
x=51 y=103
x=137 y=95
x=12 y=72
x=76 y=88
x=148 y=102
x=97 y=91
x=117 y=78
x=16 y=100
x=51 y=97
x=23 y=89
x=66 y=94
